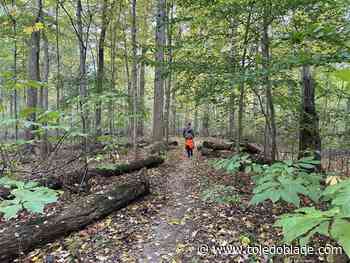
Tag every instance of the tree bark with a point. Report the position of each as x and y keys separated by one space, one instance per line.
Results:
x=309 y=134
x=82 y=71
x=33 y=73
x=205 y=121
x=142 y=83
x=270 y=110
x=22 y=238
x=134 y=77
x=44 y=94
x=100 y=68
x=158 y=104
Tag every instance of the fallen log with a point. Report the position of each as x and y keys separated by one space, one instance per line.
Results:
x=215 y=154
x=22 y=238
x=218 y=146
x=251 y=148
x=72 y=181
x=173 y=143
x=150 y=162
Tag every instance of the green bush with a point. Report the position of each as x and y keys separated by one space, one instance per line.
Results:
x=29 y=196
x=307 y=221
x=285 y=181
x=233 y=164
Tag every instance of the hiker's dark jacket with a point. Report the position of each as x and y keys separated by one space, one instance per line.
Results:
x=188 y=131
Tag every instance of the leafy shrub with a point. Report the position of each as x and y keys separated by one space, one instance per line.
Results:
x=307 y=221
x=220 y=194
x=334 y=223
x=233 y=164
x=339 y=195
x=285 y=181
x=29 y=196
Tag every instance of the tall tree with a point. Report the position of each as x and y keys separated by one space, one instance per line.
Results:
x=34 y=70
x=100 y=66
x=134 y=75
x=168 y=82
x=270 y=110
x=158 y=104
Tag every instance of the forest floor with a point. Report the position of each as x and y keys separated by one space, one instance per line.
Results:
x=175 y=223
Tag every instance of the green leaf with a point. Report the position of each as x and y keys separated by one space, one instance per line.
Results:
x=341 y=232
x=10 y=211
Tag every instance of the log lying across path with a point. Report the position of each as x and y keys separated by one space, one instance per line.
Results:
x=74 y=179
x=150 y=162
x=25 y=237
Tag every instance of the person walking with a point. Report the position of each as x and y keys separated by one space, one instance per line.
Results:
x=188 y=134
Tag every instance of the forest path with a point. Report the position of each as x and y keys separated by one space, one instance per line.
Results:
x=173 y=225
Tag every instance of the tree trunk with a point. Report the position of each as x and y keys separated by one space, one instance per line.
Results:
x=33 y=73
x=242 y=86
x=129 y=83
x=205 y=121
x=142 y=83
x=309 y=134
x=100 y=68
x=113 y=73
x=159 y=72
x=15 y=95
x=44 y=94
x=270 y=110
x=134 y=76
x=22 y=238
x=173 y=108
x=170 y=16
x=231 y=122
x=82 y=72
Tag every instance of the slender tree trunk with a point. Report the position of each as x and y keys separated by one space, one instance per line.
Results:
x=134 y=76
x=173 y=108
x=82 y=71
x=142 y=83
x=309 y=134
x=113 y=71
x=129 y=84
x=205 y=121
x=271 y=123
x=59 y=81
x=242 y=86
x=168 y=86
x=44 y=94
x=231 y=123
x=15 y=95
x=159 y=71
x=33 y=73
x=100 y=68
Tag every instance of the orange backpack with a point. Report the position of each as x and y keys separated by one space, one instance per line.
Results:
x=189 y=143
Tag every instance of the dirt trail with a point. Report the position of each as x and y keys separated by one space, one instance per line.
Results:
x=173 y=225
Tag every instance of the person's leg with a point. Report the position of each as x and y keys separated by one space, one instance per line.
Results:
x=191 y=152
x=188 y=151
